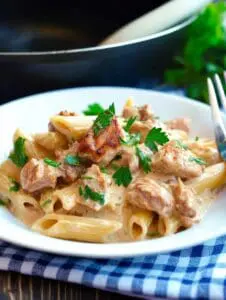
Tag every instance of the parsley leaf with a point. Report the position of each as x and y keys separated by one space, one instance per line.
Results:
x=203 y=54
x=87 y=177
x=198 y=160
x=144 y=160
x=47 y=202
x=93 y=109
x=88 y=193
x=155 y=136
x=122 y=176
x=72 y=160
x=15 y=185
x=2 y=203
x=180 y=145
x=104 y=170
x=129 y=123
x=131 y=139
x=18 y=156
x=104 y=119
x=196 y=138
x=51 y=162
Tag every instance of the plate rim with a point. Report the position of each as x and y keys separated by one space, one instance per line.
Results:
x=118 y=251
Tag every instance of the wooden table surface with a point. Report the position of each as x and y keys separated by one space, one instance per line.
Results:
x=14 y=286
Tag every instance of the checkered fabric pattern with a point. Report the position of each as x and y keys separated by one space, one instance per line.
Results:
x=194 y=273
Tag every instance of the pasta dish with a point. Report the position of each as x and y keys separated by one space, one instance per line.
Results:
x=105 y=177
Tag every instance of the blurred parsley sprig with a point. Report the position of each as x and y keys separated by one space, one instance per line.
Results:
x=204 y=52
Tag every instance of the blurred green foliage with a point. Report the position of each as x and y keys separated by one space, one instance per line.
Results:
x=204 y=52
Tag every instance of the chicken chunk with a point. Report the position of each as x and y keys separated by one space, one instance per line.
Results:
x=36 y=175
x=143 y=113
x=69 y=173
x=105 y=146
x=180 y=123
x=185 y=204
x=174 y=160
x=97 y=182
x=129 y=158
x=149 y=194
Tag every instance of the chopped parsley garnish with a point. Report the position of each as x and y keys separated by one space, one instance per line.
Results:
x=198 y=160
x=51 y=162
x=129 y=123
x=180 y=145
x=88 y=193
x=2 y=203
x=18 y=156
x=87 y=177
x=104 y=119
x=155 y=137
x=122 y=176
x=144 y=160
x=196 y=138
x=47 y=202
x=15 y=185
x=93 y=109
x=72 y=160
x=104 y=170
x=131 y=139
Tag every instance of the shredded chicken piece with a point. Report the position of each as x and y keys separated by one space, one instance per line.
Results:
x=36 y=175
x=68 y=172
x=209 y=154
x=149 y=194
x=105 y=146
x=143 y=113
x=185 y=204
x=97 y=182
x=180 y=123
x=129 y=158
x=174 y=160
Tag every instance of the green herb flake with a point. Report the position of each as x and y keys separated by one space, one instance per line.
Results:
x=2 y=203
x=196 y=138
x=93 y=109
x=155 y=136
x=104 y=119
x=88 y=193
x=18 y=156
x=104 y=170
x=181 y=145
x=46 y=203
x=51 y=162
x=87 y=177
x=122 y=176
x=144 y=160
x=129 y=123
x=131 y=139
x=72 y=160
x=15 y=185
x=198 y=160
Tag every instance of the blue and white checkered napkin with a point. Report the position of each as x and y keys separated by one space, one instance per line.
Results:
x=197 y=273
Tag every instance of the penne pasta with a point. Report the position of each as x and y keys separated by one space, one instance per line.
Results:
x=67 y=197
x=51 y=140
x=139 y=224
x=168 y=225
x=10 y=169
x=32 y=149
x=73 y=127
x=76 y=228
x=213 y=176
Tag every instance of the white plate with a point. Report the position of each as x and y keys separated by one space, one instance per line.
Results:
x=32 y=113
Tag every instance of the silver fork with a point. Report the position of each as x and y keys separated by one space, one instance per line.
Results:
x=219 y=128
